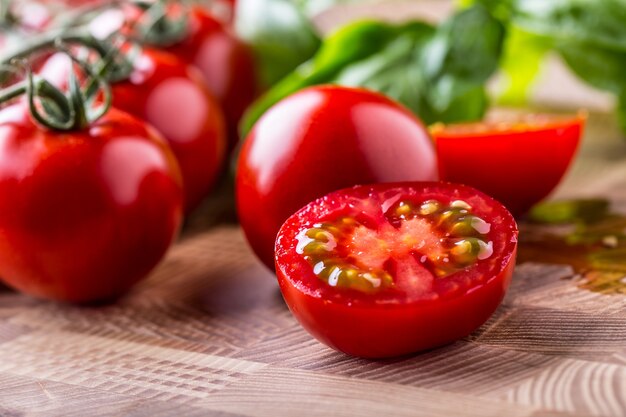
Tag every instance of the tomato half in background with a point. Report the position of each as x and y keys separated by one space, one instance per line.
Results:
x=319 y=140
x=171 y=95
x=85 y=214
x=518 y=162
x=390 y=269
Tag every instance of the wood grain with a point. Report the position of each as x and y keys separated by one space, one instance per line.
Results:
x=208 y=334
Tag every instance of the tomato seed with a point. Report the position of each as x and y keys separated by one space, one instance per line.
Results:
x=463 y=244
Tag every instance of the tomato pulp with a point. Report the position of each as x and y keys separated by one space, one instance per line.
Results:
x=390 y=269
x=518 y=162
x=84 y=214
x=319 y=140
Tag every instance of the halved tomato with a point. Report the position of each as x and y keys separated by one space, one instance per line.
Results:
x=389 y=269
x=518 y=161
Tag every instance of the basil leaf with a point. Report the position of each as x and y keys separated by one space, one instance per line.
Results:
x=394 y=70
x=462 y=55
x=598 y=22
x=439 y=73
x=280 y=34
x=349 y=44
x=523 y=56
x=602 y=68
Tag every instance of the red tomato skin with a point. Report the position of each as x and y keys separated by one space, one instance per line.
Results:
x=171 y=96
x=226 y=63
x=84 y=215
x=320 y=140
x=361 y=324
x=396 y=330
x=518 y=169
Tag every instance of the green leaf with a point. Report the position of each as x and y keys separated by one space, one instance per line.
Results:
x=523 y=56
x=280 y=34
x=598 y=22
x=602 y=68
x=464 y=53
x=439 y=73
x=501 y=9
x=351 y=43
x=394 y=70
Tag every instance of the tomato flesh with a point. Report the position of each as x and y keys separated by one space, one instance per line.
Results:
x=390 y=269
x=518 y=161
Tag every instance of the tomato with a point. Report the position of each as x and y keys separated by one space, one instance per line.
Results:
x=518 y=162
x=172 y=97
x=390 y=269
x=319 y=140
x=226 y=63
x=85 y=214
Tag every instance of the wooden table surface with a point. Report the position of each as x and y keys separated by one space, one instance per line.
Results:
x=208 y=334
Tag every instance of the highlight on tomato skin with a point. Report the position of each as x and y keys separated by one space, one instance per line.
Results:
x=519 y=161
x=386 y=270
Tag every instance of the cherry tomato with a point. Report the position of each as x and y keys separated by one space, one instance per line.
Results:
x=226 y=63
x=390 y=269
x=171 y=96
x=518 y=162
x=319 y=140
x=84 y=215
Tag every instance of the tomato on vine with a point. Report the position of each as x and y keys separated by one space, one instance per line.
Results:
x=169 y=94
x=90 y=197
x=193 y=34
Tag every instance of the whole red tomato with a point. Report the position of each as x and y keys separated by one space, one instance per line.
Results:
x=171 y=96
x=319 y=140
x=390 y=269
x=518 y=161
x=85 y=214
x=226 y=63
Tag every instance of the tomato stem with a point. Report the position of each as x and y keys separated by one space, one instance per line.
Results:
x=12 y=92
x=160 y=27
x=56 y=110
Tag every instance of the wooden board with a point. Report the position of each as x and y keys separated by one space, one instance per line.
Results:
x=208 y=334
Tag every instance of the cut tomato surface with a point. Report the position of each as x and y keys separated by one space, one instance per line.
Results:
x=389 y=269
x=518 y=160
